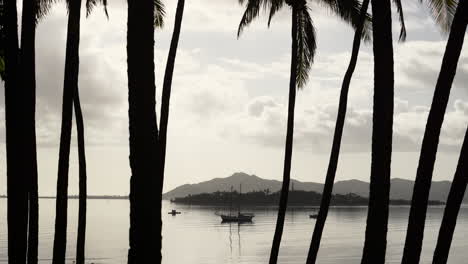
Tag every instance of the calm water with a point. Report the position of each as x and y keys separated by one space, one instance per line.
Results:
x=197 y=236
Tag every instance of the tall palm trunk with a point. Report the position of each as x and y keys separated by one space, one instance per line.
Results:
x=167 y=85
x=422 y=184
x=15 y=125
x=28 y=70
x=454 y=200
x=69 y=88
x=289 y=143
x=81 y=237
x=145 y=207
x=335 y=152
x=377 y=216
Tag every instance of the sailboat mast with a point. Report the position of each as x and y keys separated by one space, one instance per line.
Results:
x=230 y=205
x=239 y=202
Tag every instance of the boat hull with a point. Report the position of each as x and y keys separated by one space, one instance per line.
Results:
x=236 y=218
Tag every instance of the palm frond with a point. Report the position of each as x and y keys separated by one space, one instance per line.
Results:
x=443 y=12
x=251 y=12
x=349 y=11
x=306 y=46
x=159 y=13
x=276 y=5
x=42 y=9
x=90 y=4
x=401 y=17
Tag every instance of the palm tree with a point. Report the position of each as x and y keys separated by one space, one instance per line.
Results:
x=71 y=99
x=69 y=89
x=302 y=55
x=81 y=236
x=167 y=85
x=422 y=185
x=333 y=163
x=145 y=217
x=377 y=216
x=454 y=200
x=17 y=191
x=31 y=10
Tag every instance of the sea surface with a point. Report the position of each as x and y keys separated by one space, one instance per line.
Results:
x=198 y=236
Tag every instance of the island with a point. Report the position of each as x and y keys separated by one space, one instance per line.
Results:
x=266 y=198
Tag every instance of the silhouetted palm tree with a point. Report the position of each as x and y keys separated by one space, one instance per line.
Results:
x=422 y=185
x=81 y=236
x=331 y=172
x=17 y=189
x=167 y=85
x=145 y=207
x=31 y=12
x=454 y=200
x=70 y=98
x=302 y=55
x=335 y=152
x=377 y=216
x=69 y=89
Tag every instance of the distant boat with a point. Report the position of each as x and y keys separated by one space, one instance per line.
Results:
x=237 y=218
x=174 y=212
x=240 y=217
x=313 y=216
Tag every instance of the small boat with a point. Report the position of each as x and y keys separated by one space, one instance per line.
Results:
x=240 y=217
x=313 y=216
x=174 y=212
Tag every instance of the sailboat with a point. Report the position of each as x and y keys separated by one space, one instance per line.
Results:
x=240 y=217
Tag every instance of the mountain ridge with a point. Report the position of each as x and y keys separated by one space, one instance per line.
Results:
x=400 y=188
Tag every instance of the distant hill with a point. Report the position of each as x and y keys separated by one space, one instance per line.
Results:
x=400 y=188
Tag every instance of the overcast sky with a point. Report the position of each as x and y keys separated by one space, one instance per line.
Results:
x=229 y=100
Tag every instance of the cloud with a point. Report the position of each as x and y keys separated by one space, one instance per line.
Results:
x=264 y=119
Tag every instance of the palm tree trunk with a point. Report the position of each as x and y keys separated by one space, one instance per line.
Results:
x=17 y=189
x=28 y=81
x=81 y=237
x=131 y=258
x=454 y=200
x=69 y=88
x=335 y=153
x=422 y=185
x=289 y=144
x=145 y=207
x=167 y=85
x=377 y=216
x=28 y=32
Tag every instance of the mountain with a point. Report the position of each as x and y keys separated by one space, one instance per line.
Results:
x=400 y=188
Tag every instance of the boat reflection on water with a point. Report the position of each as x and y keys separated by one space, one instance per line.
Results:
x=238 y=237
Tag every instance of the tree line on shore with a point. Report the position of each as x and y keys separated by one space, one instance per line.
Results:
x=296 y=198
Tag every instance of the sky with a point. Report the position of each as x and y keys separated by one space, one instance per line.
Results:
x=229 y=101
